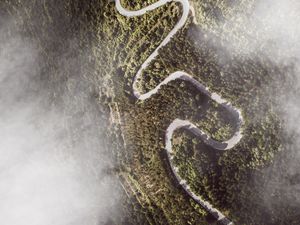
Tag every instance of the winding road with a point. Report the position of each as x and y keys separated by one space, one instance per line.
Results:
x=178 y=123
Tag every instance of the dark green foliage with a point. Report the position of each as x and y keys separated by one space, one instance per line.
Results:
x=117 y=46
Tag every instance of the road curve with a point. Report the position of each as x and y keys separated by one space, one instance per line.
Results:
x=178 y=123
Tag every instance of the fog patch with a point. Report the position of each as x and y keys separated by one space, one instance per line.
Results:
x=269 y=31
x=45 y=176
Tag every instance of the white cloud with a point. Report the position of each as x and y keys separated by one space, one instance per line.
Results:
x=43 y=179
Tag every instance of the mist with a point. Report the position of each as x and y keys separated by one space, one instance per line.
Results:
x=277 y=34
x=47 y=176
x=266 y=27
x=270 y=30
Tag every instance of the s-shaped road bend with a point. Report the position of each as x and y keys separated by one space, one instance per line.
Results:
x=179 y=123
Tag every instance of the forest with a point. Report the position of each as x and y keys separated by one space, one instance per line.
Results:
x=117 y=46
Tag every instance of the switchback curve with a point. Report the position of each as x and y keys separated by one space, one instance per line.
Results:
x=178 y=123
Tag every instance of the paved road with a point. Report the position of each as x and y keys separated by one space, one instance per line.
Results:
x=178 y=123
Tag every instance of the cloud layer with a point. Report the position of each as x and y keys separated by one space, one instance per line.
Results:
x=45 y=176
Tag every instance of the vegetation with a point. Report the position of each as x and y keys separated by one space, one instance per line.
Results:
x=116 y=47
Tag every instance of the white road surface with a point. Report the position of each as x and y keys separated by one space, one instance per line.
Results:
x=178 y=123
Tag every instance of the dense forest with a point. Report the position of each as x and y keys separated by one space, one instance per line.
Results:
x=116 y=47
